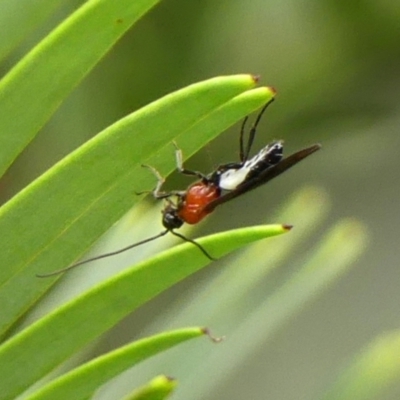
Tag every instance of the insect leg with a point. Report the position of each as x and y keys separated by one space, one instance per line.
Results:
x=157 y=192
x=181 y=168
x=198 y=245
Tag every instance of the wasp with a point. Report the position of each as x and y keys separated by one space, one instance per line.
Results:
x=224 y=184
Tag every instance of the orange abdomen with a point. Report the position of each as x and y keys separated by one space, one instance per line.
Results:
x=197 y=196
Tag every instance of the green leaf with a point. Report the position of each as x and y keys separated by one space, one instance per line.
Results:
x=36 y=86
x=92 y=313
x=81 y=382
x=371 y=373
x=19 y=18
x=71 y=205
x=158 y=388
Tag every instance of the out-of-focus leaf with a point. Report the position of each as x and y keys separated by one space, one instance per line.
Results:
x=158 y=388
x=372 y=372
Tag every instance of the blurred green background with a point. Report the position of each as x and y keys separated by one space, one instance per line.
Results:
x=335 y=65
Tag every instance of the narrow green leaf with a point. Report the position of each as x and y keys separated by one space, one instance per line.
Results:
x=84 y=380
x=158 y=388
x=76 y=201
x=372 y=372
x=36 y=86
x=19 y=18
x=92 y=313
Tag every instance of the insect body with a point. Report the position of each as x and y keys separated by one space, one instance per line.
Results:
x=230 y=178
x=195 y=199
x=224 y=184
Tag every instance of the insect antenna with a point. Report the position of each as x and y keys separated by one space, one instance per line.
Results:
x=199 y=246
x=112 y=253
x=244 y=155
x=241 y=148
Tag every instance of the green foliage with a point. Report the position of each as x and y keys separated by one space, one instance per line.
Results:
x=88 y=191
x=157 y=389
x=55 y=219
x=102 y=307
x=83 y=381
x=35 y=87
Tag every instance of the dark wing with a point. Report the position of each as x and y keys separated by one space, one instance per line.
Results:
x=263 y=177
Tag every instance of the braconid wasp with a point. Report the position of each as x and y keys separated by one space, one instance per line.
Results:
x=225 y=183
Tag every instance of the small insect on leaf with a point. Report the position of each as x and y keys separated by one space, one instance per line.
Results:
x=227 y=182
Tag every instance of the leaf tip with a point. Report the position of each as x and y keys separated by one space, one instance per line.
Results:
x=272 y=90
x=215 y=339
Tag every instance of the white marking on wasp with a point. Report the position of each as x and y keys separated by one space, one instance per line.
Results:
x=265 y=158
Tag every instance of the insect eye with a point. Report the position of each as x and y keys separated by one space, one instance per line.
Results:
x=171 y=220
